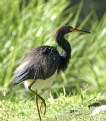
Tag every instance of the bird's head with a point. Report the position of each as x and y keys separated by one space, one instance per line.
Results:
x=67 y=29
x=59 y=36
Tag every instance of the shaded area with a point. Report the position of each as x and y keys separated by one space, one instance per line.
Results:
x=92 y=5
x=98 y=103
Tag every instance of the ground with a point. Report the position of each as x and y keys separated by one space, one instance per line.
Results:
x=70 y=108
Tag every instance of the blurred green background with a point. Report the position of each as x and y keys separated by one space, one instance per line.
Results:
x=30 y=23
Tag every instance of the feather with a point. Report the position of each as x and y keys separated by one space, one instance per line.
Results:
x=20 y=78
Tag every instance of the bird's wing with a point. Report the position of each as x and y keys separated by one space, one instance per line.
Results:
x=25 y=72
x=20 y=78
x=36 y=65
x=28 y=69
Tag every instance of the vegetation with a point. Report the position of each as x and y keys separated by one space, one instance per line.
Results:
x=60 y=109
x=23 y=27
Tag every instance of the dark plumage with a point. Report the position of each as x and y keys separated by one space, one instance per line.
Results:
x=39 y=67
x=42 y=63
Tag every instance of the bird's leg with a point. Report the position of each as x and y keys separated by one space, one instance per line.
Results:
x=43 y=103
x=29 y=87
x=41 y=106
x=38 y=107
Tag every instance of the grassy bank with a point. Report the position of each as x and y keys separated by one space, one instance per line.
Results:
x=23 y=27
x=60 y=109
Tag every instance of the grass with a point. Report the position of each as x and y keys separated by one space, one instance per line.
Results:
x=60 y=109
x=82 y=82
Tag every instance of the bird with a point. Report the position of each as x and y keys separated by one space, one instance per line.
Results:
x=39 y=67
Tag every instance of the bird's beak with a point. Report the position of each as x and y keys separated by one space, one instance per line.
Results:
x=77 y=30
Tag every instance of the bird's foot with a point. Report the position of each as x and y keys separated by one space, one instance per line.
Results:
x=43 y=106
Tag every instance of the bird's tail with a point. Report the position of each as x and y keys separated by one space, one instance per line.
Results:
x=20 y=78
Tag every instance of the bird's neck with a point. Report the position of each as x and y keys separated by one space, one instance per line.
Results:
x=66 y=48
x=64 y=44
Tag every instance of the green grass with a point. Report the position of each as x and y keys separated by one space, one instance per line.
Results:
x=84 y=79
x=60 y=109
